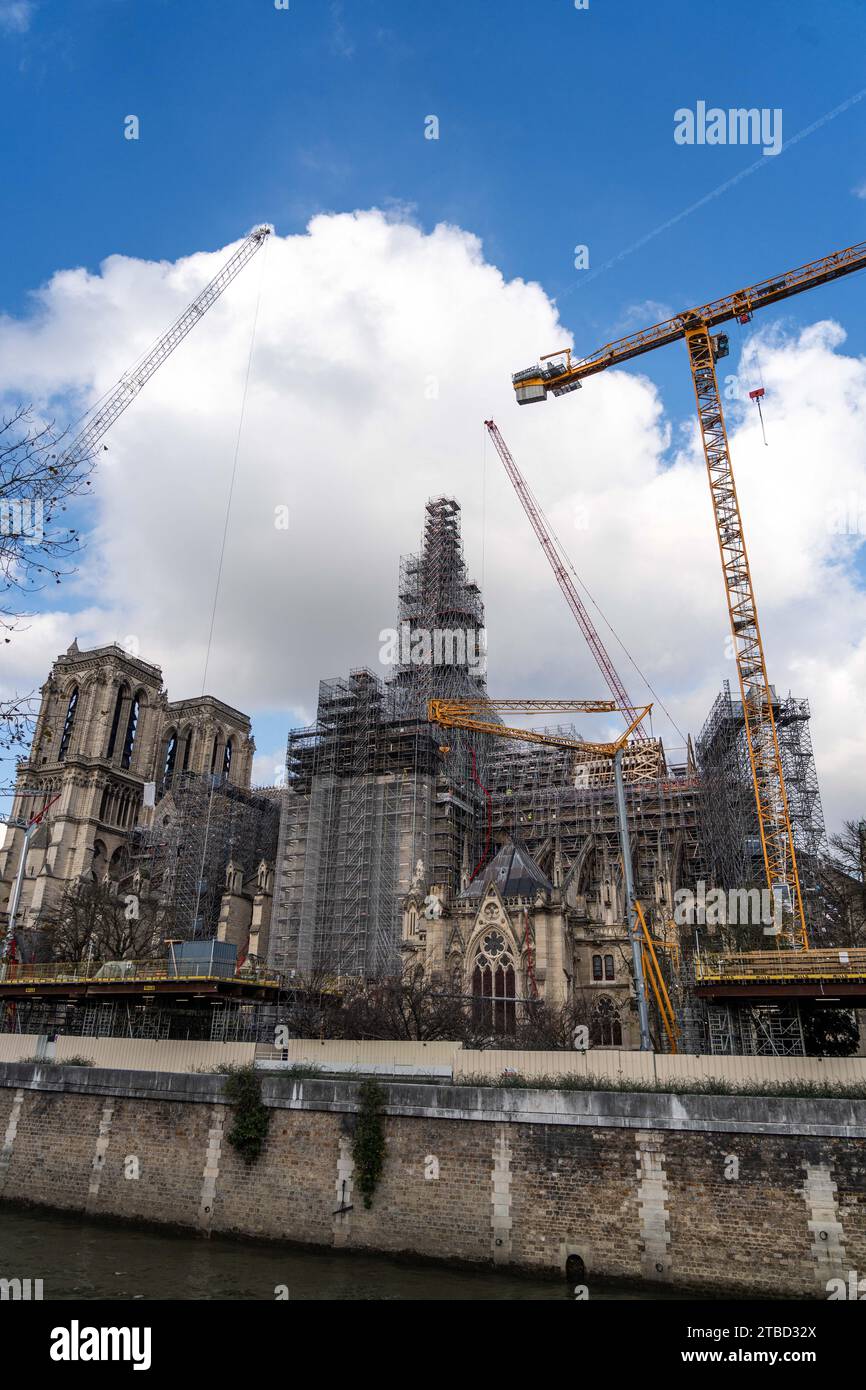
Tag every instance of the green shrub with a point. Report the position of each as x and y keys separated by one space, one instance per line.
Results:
x=243 y=1091
x=368 y=1149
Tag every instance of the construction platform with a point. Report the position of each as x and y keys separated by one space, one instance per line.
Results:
x=142 y=979
x=837 y=974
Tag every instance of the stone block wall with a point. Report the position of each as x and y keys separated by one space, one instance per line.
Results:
x=731 y=1194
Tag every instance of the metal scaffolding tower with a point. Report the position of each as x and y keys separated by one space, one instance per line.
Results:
x=369 y=791
x=728 y=813
x=202 y=824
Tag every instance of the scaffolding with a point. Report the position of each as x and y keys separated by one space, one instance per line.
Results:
x=371 y=797
x=728 y=812
x=198 y=827
x=375 y=804
x=754 y=1030
x=556 y=802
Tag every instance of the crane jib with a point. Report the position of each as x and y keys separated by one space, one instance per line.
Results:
x=132 y=381
x=556 y=378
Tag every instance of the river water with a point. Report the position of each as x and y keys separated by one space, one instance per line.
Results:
x=77 y=1260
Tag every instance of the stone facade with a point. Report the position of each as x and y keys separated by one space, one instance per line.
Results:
x=109 y=744
x=514 y=935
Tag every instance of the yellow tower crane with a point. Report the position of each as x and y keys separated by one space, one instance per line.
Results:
x=559 y=373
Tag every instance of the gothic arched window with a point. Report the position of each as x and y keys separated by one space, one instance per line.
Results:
x=494 y=986
x=170 y=758
x=609 y=972
x=68 y=724
x=122 y=692
x=596 y=968
x=605 y=1027
x=227 y=758
x=131 y=731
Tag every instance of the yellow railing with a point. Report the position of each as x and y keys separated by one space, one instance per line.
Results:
x=837 y=964
x=129 y=971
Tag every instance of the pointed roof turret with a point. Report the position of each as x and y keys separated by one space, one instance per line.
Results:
x=514 y=873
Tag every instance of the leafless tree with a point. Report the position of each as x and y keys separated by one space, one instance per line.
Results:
x=406 y=1008
x=94 y=922
x=311 y=1004
x=39 y=478
x=842 y=886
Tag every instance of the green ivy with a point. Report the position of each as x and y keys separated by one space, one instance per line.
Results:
x=368 y=1149
x=243 y=1090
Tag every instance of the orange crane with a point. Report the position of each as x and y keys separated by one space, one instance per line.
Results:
x=476 y=716
x=559 y=373
x=539 y=524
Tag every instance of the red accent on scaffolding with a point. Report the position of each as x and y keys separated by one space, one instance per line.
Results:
x=563 y=579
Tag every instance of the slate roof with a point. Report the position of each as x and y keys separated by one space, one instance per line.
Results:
x=514 y=872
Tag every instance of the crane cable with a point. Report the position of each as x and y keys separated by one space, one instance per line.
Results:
x=234 y=470
x=758 y=394
x=612 y=630
x=566 y=558
x=222 y=558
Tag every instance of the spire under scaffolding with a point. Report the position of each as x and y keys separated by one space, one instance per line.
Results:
x=370 y=792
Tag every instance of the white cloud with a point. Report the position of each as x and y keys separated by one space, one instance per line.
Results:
x=643 y=314
x=341 y=42
x=379 y=352
x=15 y=15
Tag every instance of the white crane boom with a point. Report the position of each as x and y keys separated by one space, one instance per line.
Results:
x=137 y=376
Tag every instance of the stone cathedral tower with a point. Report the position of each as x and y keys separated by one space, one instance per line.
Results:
x=109 y=744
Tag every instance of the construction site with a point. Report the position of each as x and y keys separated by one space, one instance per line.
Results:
x=515 y=866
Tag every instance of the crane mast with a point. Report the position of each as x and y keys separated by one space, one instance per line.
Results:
x=756 y=693
x=538 y=521
x=555 y=376
x=132 y=381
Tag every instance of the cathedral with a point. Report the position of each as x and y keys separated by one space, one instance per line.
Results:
x=512 y=934
x=120 y=771
x=383 y=822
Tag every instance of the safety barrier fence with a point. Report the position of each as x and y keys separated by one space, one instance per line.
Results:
x=445 y=1061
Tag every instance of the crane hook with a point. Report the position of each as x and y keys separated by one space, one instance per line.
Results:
x=757 y=397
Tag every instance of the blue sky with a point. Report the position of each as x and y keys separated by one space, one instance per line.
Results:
x=556 y=128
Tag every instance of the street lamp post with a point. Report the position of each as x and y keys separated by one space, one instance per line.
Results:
x=30 y=828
